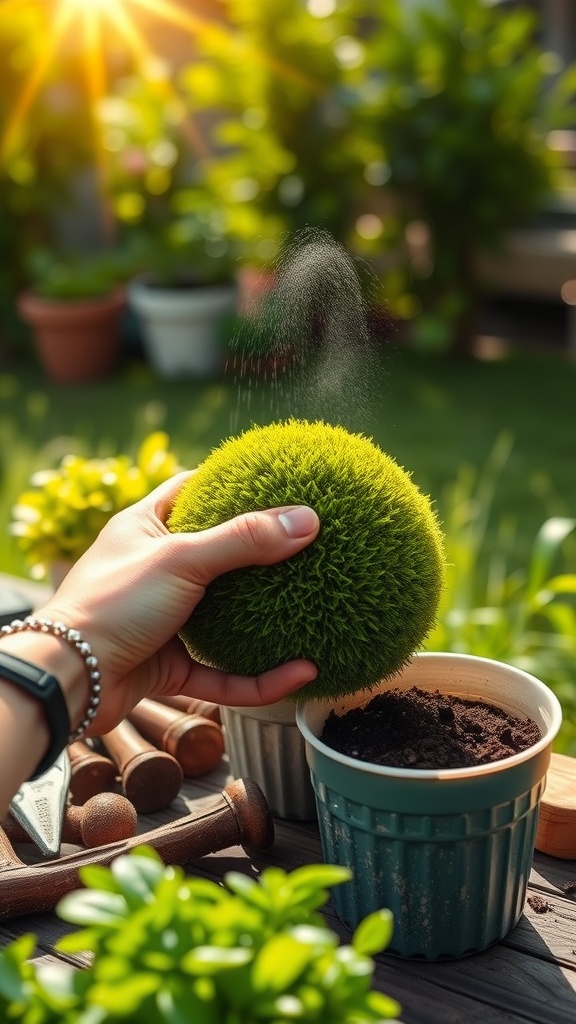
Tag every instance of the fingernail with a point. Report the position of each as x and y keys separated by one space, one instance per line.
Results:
x=299 y=521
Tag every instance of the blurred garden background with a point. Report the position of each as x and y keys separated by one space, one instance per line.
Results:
x=159 y=153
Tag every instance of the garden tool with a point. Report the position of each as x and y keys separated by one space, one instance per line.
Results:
x=238 y=816
x=150 y=778
x=192 y=706
x=39 y=805
x=196 y=742
x=91 y=772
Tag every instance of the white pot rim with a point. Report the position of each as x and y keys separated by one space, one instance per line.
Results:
x=320 y=709
x=173 y=301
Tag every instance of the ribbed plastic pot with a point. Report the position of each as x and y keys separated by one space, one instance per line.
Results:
x=265 y=744
x=448 y=852
x=181 y=327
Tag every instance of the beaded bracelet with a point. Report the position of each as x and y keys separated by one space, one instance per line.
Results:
x=74 y=639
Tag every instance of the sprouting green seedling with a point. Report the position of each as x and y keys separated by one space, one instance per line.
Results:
x=359 y=600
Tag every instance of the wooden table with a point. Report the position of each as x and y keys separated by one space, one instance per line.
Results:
x=530 y=978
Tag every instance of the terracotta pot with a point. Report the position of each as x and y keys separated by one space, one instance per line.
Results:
x=76 y=339
x=254 y=284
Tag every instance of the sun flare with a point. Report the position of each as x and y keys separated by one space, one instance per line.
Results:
x=89 y=20
x=96 y=5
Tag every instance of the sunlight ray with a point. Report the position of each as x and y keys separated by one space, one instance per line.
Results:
x=198 y=25
x=37 y=75
x=96 y=82
x=143 y=53
x=175 y=15
x=9 y=7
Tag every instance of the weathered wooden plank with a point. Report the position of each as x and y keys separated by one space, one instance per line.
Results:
x=503 y=980
x=550 y=935
x=551 y=873
x=48 y=929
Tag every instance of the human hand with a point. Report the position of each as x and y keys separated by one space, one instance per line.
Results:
x=137 y=585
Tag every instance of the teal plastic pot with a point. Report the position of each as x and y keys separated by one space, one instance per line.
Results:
x=448 y=852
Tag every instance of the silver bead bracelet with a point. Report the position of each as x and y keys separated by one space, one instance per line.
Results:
x=74 y=639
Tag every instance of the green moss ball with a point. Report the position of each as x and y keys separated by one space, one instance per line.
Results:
x=359 y=600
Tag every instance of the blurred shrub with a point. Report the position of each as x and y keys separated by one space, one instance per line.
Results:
x=526 y=618
x=460 y=99
x=287 y=152
x=65 y=508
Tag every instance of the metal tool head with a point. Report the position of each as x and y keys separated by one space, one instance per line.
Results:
x=39 y=805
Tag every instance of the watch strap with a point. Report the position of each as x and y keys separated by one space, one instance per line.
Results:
x=46 y=688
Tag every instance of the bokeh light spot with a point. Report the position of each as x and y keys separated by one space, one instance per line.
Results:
x=369 y=226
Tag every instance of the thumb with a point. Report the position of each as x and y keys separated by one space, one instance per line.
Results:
x=254 y=538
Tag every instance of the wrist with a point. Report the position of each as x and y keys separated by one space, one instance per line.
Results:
x=22 y=717
x=57 y=658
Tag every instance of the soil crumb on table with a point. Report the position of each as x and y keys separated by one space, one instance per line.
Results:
x=539 y=905
x=427 y=729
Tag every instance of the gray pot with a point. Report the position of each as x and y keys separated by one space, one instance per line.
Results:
x=265 y=744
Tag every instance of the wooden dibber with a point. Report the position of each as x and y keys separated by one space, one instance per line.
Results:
x=238 y=816
x=90 y=772
x=556 y=832
x=192 y=706
x=197 y=743
x=150 y=778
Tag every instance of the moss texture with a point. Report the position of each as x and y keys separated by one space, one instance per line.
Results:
x=359 y=600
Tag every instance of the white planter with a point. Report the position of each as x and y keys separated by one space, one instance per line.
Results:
x=181 y=327
x=264 y=744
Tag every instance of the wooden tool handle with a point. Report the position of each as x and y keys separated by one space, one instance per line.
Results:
x=151 y=778
x=90 y=772
x=238 y=816
x=197 y=743
x=104 y=818
x=192 y=706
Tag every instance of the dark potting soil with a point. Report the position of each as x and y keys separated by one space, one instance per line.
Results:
x=427 y=729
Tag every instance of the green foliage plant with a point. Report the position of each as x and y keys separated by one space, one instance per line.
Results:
x=165 y=209
x=286 y=147
x=460 y=98
x=65 y=508
x=525 y=617
x=168 y=949
x=359 y=600
x=79 y=276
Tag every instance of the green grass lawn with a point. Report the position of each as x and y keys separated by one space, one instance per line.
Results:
x=444 y=421
x=432 y=415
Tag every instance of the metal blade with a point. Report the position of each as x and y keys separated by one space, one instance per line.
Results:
x=39 y=805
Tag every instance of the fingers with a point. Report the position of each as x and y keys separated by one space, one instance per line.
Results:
x=255 y=538
x=161 y=499
x=248 y=691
